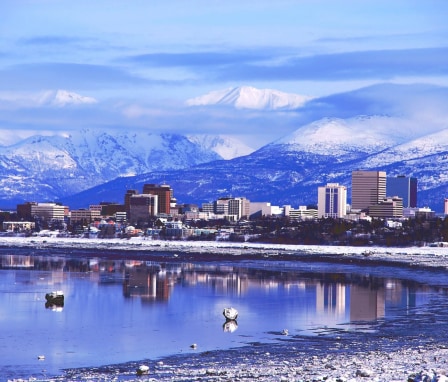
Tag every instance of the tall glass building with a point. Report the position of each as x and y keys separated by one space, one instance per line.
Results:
x=403 y=187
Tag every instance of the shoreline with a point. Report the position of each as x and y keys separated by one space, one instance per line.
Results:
x=416 y=257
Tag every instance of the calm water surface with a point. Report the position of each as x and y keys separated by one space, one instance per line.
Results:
x=126 y=310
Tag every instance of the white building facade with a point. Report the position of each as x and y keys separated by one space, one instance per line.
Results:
x=332 y=201
x=48 y=211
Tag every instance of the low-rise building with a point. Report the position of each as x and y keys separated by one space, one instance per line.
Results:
x=18 y=226
x=390 y=207
x=82 y=215
x=301 y=213
x=48 y=211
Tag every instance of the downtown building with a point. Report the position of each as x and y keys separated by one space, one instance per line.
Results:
x=403 y=187
x=160 y=201
x=142 y=207
x=232 y=209
x=332 y=201
x=368 y=189
x=390 y=207
x=164 y=195
x=49 y=211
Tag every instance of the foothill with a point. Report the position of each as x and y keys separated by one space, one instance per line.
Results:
x=383 y=211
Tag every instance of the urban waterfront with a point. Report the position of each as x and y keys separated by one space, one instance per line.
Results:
x=123 y=310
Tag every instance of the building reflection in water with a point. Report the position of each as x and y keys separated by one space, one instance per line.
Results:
x=150 y=282
x=336 y=295
x=366 y=304
x=330 y=299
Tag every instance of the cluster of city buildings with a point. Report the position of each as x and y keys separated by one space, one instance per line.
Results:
x=373 y=195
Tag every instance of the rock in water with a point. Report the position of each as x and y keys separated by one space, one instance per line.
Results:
x=230 y=313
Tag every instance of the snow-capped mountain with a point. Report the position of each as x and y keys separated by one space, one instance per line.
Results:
x=344 y=136
x=247 y=97
x=47 y=98
x=63 y=98
x=49 y=167
x=289 y=171
x=226 y=147
x=409 y=137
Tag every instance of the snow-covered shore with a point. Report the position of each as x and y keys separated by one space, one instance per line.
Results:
x=426 y=256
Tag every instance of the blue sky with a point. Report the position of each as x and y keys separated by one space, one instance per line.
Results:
x=154 y=55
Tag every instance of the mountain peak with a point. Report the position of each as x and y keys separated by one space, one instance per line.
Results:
x=64 y=98
x=339 y=136
x=248 y=97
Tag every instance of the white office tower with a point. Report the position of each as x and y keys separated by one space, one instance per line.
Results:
x=332 y=201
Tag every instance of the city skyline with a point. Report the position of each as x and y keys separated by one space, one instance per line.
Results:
x=368 y=190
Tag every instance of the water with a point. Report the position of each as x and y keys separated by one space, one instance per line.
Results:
x=124 y=310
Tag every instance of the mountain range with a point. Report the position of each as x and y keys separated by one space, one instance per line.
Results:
x=405 y=135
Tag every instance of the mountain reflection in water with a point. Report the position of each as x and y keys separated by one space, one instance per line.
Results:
x=123 y=310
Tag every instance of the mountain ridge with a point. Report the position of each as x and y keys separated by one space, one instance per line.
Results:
x=285 y=171
x=248 y=97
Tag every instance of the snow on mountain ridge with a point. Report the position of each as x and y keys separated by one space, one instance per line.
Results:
x=71 y=162
x=225 y=146
x=337 y=136
x=429 y=145
x=64 y=97
x=247 y=97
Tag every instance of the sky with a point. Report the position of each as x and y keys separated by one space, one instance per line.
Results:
x=140 y=60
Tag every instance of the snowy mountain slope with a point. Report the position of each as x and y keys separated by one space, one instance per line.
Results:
x=246 y=97
x=225 y=146
x=69 y=163
x=283 y=173
x=429 y=145
x=425 y=158
x=338 y=137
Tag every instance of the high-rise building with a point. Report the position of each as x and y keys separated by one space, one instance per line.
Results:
x=405 y=188
x=368 y=188
x=239 y=207
x=331 y=201
x=142 y=207
x=127 y=203
x=164 y=194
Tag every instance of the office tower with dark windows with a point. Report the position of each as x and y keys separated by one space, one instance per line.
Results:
x=405 y=188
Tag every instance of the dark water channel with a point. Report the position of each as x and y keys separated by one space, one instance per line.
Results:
x=124 y=310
